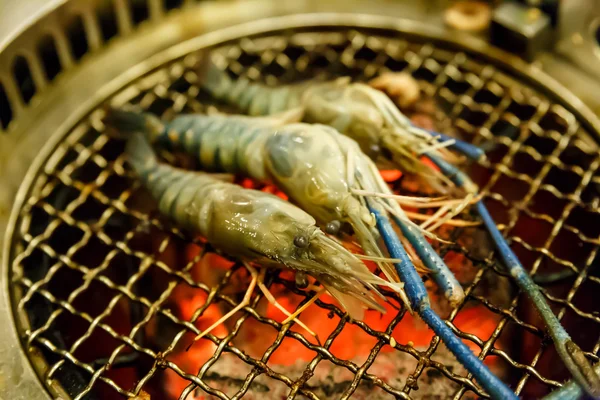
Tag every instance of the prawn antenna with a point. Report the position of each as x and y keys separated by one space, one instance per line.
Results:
x=413 y=201
x=374 y=258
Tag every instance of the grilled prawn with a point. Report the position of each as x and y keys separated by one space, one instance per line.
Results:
x=357 y=110
x=323 y=171
x=256 y=227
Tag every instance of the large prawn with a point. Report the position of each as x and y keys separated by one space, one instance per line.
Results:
x=289 y=238
x=320 y=169
x=371 y=118
x=355 y=109
x=257 y=227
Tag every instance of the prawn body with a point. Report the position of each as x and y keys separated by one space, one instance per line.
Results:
x=229 y=218
x=334 y=103
x=357 y=110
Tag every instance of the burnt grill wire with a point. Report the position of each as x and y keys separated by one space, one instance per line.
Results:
x=85 y=226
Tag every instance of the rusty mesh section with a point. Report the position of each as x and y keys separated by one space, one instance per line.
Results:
x=91 y=278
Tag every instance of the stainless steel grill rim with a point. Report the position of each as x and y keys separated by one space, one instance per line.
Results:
x=444 y=65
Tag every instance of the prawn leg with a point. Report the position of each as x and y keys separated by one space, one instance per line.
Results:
x=269 y=296
x=441 y=274
x=245 y=302
x=293 y=316
x=417 y=295
x=569 y=352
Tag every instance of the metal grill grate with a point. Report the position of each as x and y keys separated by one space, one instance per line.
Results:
x=90 y=252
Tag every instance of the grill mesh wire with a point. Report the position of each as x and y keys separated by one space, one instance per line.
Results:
x=80 y=226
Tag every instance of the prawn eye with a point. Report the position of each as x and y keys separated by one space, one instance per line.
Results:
x=374 y=150
x=333 y=227
x=301 y=242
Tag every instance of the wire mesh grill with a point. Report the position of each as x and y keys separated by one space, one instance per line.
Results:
x=95 y=268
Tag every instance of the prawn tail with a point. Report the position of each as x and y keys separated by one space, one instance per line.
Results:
x=128 y=122
x=140 y=155
x=214 y=80
x=250 y=97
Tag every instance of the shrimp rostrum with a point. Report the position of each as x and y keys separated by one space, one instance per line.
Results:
x=257 y=227
x=320 y=169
